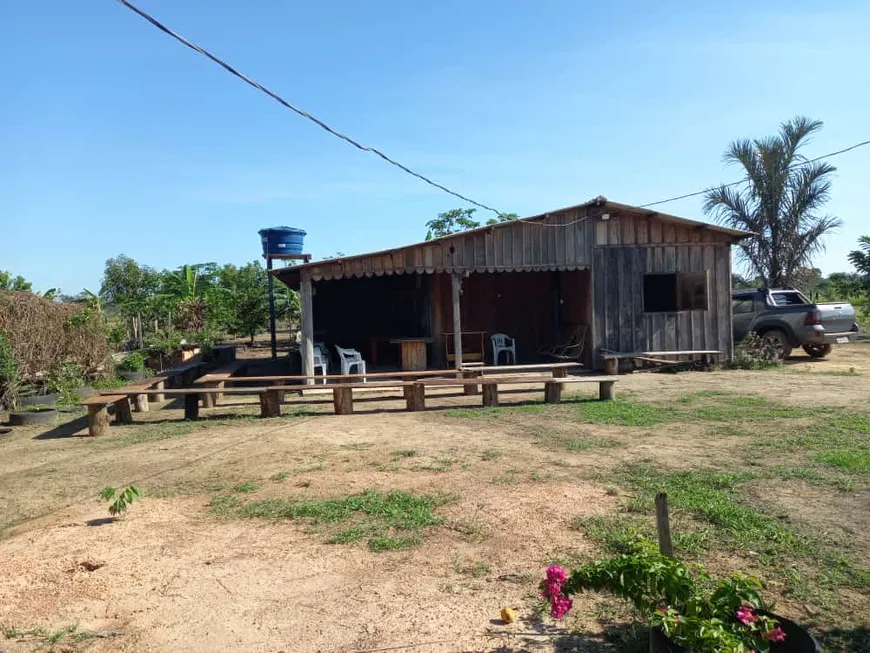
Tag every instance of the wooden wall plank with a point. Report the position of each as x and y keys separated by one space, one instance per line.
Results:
x=602 y=233
x=641 y=230
x=638 y=267
x=599 y=297
x=655 y=230
x=569 y=232
x=669 y=233
x=628 y=230
x=611 y=271
x=670 y=265
x=698 y=323
x=710 y=315
x=622 y=309
x=489 y=248
x=723 y=299
x=685 y=335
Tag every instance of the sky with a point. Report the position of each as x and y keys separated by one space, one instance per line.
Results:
x=116 y=139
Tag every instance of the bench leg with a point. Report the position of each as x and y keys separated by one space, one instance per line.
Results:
x=208 y=398
x=415 y=397
x=270 y=403
x=560 y=372
x=342 y=398
x=490 y=394
x=607 y=390
x=191 y=406
x=161 y=385
x=140 y=403
x=98 y=420
x=470 y=388
x=280 y=393
x=611 y=366
x=552 y=392
x=123 y=414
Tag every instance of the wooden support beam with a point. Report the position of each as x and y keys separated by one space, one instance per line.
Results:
x=270 y=403
x=552 y=392
x=611 y=366
x=663 y=525
x=607 y=390
x=490 y=394
x=342 y=399
x=280 y=393
x=160 y=385
x=98 y=420
x=306 y=295
x=560 y=372
x=456 y=285
x=123 y=414
x=140 y=403
x=415 y=397
x=191 y=406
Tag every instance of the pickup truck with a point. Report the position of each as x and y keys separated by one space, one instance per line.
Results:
x=785 y=318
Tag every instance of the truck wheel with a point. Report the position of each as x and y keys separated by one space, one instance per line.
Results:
x=818 y=351
x=779 y=340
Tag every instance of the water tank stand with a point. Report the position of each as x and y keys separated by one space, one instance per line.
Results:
x=305 y=258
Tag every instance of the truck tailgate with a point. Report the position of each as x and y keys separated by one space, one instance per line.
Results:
x=837 y=317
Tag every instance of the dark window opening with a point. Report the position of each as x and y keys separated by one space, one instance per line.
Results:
x=680 y=291
x=743 y=305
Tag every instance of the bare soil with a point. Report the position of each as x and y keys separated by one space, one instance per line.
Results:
x=171 y=575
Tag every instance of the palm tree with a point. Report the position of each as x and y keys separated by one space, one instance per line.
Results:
x=860 y=258
x=780 y=202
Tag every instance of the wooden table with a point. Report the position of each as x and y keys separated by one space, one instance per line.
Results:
x=413 y=352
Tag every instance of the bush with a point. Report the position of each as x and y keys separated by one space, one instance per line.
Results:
x=754 y=353
x=63 y=380
x=10 y=379
x=134 y=362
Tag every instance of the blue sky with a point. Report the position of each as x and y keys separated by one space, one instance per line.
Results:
x=116 y=139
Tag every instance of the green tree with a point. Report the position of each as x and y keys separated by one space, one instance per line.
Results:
x=860 y=258
x=128 y=286
x=455 y=220
x=246 y=293
x=16 y=284
x=780 y=203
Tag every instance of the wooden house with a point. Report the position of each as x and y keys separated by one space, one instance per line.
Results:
x=622 y=278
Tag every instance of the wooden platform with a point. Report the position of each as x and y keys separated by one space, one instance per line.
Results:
x=612 y=358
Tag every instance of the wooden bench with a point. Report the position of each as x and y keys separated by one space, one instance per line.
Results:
x=472 y=371
x=218 y=379
x=612 y=358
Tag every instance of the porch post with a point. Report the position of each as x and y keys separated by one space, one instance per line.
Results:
x=457 y=322
x=307 y=345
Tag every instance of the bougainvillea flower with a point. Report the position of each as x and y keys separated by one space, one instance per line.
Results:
x=775 y=635
x=745 y=615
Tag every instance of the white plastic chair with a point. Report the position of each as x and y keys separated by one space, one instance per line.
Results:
x=503 y=343
x=351 y=358
x=321 y=360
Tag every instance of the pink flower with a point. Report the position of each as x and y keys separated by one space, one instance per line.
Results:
x=745 y=615
x=556 y=574
x=775 y=635
x=560 y=605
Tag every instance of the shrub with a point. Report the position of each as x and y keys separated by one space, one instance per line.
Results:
x=10 y=379
x=134 y=362
x=755 y=353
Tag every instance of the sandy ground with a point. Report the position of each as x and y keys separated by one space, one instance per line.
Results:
x=171 y=576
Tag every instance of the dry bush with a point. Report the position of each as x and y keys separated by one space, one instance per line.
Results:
x=45 y=334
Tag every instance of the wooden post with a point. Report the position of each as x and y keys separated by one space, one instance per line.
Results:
x=98 y=420
x=552 y=392
x=490 y=394
x=663 y=525
x=122 y=411
x=209 y=399
x=306 y=297
x=415 y=397
x=560 y=372
x=279 y=393
x=160 y=385
x=606 y=390
x=471 y=388
x=457 y=321
x=140 y=403
x=611 y=366
x=342 y=399
x=270 y=403
x=191 y=406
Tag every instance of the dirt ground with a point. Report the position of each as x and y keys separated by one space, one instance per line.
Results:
x=173 y=576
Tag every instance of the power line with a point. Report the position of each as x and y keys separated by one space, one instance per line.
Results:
x=745 y=179
x=304 y=114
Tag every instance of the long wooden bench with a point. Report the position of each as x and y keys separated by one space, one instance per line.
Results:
x=271 y=397
x=611 y=358
x=218 y=379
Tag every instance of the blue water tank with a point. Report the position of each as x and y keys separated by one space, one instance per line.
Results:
x=282 y=240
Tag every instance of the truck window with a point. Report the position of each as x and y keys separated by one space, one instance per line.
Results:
x=742 y=305
x=788 y=299
x=679 y=291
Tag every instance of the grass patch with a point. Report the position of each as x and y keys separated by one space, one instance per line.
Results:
x=439 y=465
x=472 y=413
x=621 y=412
x=491 y=454
x=404 y=453
x=852 y=461
x=245 y=488
x=279 y=476
x=357 y=446
x=390 y=521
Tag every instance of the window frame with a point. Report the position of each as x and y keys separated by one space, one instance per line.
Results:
x=681 y=282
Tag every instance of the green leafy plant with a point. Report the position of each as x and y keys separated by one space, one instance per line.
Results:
x=10 y=377
x=133 y=362
x=691 y=608
x=756 y=353
x=63 y=380
x=119 y=500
